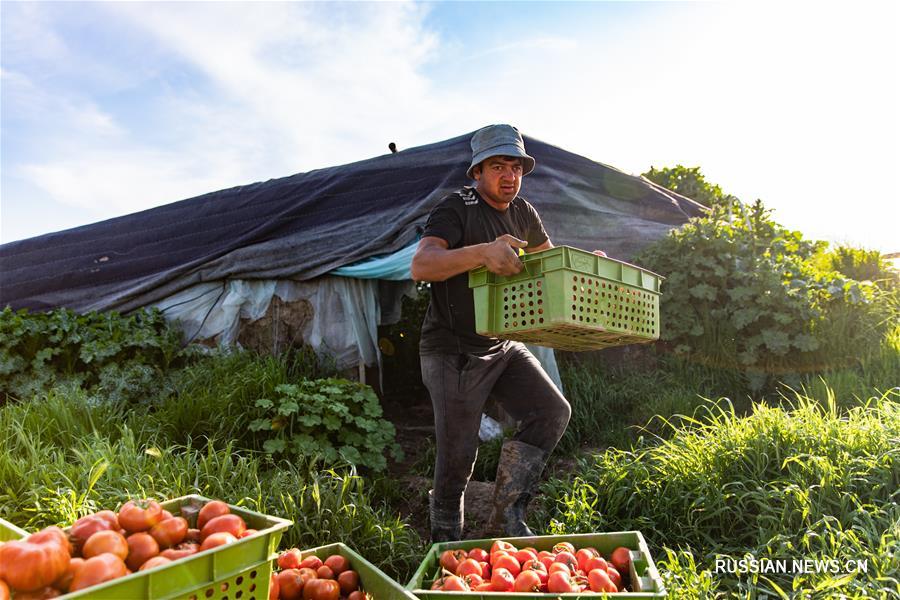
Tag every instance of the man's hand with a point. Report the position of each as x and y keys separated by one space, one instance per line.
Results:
x=500 y=256
x=599 y=252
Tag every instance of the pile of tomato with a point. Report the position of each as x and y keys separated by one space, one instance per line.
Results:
x=312 y=578
x=506 y=568
x=106 y=545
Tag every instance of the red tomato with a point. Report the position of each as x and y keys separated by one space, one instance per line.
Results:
x=348 y=580
x=567 y=558
x=538 y=567
x=324 y=572
x=525 y=555
x=139 y=515
x=217 y=539
x=311 y=562
x=469 y=566
x=210 y=510
x=321 y=589
x=450 y=559
x=559 y=582
x=501 y=545
x=502 y=580
x=232 y=524
x=621 y=558
x=599 y=581
x=473 y=580
x=598 y=562
x=527 y=581
x=103 y=542
x=615 y=576
x=290 y=584
x=249 y=532
x=563 y=547
x=337 y=563
x=454 y=583
x=479 y=554
x=509 y=563
x=156 y=561
x=87 y=526
x=5 y=594
x=274 y=589
x=141 y=548
x=485 y=570
x=290 y=559
x=166 y=515
x=181 y=550
x=357 y=595
x=170 y=532
x=583 y=556
x=558 y=566
x=35 y=562
x=98 y=569
x=484 y=587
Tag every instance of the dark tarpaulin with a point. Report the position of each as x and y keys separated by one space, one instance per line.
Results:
x=303 y=226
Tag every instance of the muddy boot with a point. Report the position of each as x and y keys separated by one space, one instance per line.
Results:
x=446 y=519
x=518 y=473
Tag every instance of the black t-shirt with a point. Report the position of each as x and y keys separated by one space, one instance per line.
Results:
x=464 y=219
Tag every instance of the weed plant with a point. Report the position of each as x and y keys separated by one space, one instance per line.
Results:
x=805 y=481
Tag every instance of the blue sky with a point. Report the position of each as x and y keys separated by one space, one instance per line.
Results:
x=110 y=108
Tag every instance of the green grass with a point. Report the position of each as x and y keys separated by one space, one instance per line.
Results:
x=809 y=481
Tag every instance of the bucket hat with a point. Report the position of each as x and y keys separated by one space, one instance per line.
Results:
x=499 y=140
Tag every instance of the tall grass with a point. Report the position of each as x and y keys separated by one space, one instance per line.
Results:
x=808 y=481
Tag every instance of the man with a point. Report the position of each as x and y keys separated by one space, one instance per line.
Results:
x=484 y=225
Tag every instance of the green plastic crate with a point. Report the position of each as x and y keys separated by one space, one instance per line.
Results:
x=371 y=578
x=8 y=531
x=644 y=577
x=568 y=299
x=235 y=571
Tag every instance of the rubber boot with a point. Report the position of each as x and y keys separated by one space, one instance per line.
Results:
x=518 y=473
x=446 y=519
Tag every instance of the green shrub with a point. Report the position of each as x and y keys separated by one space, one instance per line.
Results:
x=122 y=354
x=331 y=419
x=809 y=482
x=743 y=293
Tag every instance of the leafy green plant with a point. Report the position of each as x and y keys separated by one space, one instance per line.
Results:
x=333 y=419
x=690 y=182
x=743 y=294
x=122 y=353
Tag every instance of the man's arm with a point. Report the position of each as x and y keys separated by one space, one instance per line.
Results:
x=545 y=246
x=433 y=261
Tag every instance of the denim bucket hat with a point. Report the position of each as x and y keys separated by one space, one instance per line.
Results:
x=499 y=140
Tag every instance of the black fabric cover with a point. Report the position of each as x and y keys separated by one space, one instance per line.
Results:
x=304 y=225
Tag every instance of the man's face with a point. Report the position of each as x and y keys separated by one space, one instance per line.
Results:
x=499 y=180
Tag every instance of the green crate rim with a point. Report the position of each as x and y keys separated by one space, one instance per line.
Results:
x=276 y=525
x=651 y=571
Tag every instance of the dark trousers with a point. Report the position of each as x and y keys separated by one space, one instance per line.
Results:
x=459 y=385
